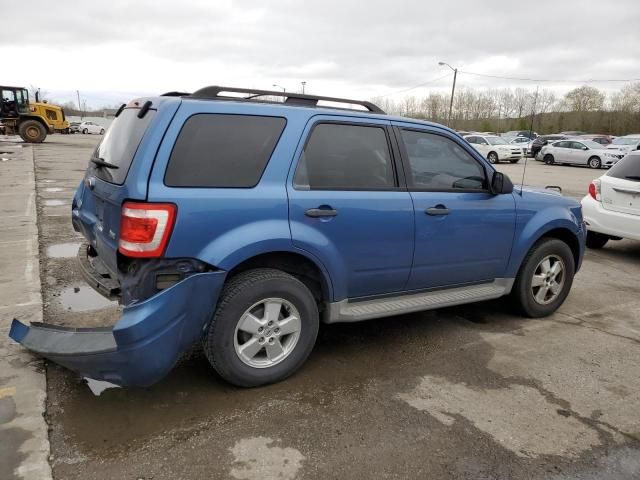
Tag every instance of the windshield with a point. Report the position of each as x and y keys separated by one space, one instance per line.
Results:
x=626 y=141
x=120 y=143
x=496 y=141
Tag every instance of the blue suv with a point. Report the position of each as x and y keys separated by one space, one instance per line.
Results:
x=242 y=218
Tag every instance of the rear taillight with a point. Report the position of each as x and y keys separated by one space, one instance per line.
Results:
x=145 y=228
x=594 y=190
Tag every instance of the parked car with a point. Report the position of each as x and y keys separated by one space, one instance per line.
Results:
x=573 y=133
x=601 y=139
x=74 y=127
x=623 y=145
x=495 y=149
x=612 y=207
x=90 y=127
x=242 y=223
x=522 y=142
x=543 y=140
x=578 y=152
x=521 y=133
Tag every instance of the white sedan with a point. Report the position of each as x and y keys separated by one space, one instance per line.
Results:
x=523 y=142
x=611 y=211
x=495 y=148
x=578 y=152
x=90 y=127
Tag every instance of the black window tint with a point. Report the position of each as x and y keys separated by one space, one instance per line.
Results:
x=472 y=140
x=577 y=145
x=437 y=163
x=120 y=143
x=628 y=168
x=345 y=157
x=561 y=144
x=215 y=150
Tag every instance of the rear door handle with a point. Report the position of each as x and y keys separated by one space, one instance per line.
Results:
x=439 y=210
x=321 y=212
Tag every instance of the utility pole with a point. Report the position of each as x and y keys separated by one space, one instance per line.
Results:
x=79 y=106
x=453 y=89
x=303 y=85
x=284 y=90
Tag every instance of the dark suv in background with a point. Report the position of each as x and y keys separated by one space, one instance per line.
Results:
x=543 y=140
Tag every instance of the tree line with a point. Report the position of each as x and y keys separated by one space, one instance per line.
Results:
x=584 y=108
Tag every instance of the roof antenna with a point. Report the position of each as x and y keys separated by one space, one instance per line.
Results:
x=526 y=157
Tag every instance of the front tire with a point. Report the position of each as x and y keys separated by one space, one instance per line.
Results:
x=544 y=279
x=594 y=162
x=493 y=157
x=596 y=240
x=32 y=131
x=514 y=161
x=102 y=131
x=263 y=329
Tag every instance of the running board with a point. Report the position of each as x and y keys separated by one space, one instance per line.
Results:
x=355 y=311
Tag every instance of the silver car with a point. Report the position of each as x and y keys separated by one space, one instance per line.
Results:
x=578 y=152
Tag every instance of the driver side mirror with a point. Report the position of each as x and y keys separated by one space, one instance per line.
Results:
x=501 y=183
x=585 y=148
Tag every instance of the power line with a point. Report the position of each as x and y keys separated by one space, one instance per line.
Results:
x=416 y=86
x=593 y=80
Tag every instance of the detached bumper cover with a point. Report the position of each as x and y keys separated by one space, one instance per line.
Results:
x=145 y=343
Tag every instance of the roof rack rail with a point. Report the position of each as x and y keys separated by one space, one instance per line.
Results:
x=301 y=99
x=175 y=94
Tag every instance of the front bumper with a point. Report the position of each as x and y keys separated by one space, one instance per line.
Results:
x=145 y=343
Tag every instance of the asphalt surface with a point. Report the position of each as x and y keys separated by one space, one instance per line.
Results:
x=471 y=392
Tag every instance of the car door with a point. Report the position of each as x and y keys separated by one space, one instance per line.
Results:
x=464 y=233
x=579 y=153
x=561 y=152
x=347 y=206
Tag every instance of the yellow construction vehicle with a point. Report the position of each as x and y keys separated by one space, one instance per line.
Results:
x=31 y=120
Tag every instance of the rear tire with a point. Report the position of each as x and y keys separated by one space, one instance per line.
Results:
x=493 y=157
x=85 y=131
x=596 y=240
x=514 y=161
x=243 y=306
x=102 y=131
x=32 y=131
x=540 y=288
x=548 y=159
x=594 y=162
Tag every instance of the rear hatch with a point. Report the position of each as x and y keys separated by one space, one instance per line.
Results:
x=620 y=187
x=98 y=201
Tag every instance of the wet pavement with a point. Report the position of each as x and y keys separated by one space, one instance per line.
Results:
x=471 y=392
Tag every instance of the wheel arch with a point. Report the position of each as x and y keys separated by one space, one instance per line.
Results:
x=561 y=229
x=306 y=269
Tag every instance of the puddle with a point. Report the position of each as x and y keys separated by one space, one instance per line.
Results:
x=99 y=386
x=83 y=299
x=63 y=250
x=54 y=189
x=48 y=181
x=54 y=203
x=3 y=159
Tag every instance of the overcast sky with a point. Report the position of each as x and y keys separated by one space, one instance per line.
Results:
x=114 y=50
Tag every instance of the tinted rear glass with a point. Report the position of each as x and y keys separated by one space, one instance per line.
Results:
x=628 y=168
x=120 y=143
x=215 y=150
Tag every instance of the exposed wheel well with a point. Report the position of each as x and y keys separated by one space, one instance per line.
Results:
x=294 y=264
x=569 y=238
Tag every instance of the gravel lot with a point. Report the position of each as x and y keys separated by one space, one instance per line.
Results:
x=466 y=392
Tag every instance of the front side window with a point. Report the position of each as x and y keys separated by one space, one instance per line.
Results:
x=346 y=157
x=51 y=114
x=438 y=163
x=223 y=151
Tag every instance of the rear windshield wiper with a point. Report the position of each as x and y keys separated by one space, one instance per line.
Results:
x=103 y=163
x=632 y=177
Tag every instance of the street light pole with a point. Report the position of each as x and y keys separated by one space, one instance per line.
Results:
x=284 y=90
x=453 y=89
x=303 y=85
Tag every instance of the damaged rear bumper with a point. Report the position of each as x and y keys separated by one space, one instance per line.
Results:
x=145 y=343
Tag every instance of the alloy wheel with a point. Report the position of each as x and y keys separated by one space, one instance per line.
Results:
x=267 y=332
x=548 y=279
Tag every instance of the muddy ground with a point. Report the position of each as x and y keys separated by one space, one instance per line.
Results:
x=468 y=392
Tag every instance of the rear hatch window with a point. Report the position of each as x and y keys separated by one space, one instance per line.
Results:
x=621 y=186
x=120 y=143
x=627 y=169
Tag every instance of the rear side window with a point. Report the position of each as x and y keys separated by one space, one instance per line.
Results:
x=628 y=168
x=120 y=143
x=346 y=157
x=223 y=151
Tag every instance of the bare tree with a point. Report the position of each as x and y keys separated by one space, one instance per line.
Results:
x=584 y=99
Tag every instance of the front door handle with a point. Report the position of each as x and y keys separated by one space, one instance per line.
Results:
x=437 y=210
x=321 y=212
